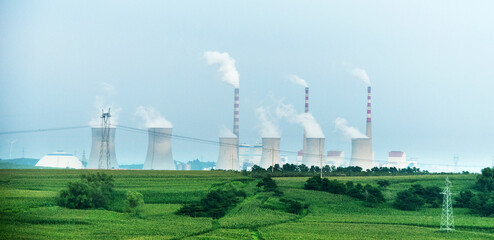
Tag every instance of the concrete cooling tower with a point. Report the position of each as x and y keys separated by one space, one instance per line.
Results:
x=362 y=155
x=314 y=152
x=228 y=155
x=270 y=152
x=159 y=156
x=98 y=148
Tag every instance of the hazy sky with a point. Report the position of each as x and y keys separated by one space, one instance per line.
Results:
x=431 y=64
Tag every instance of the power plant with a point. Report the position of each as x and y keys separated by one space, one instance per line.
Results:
x=102 y=154
x=362 y=154
x=314 y=152
x=159 y=155
x=270 y=152
x=228 y=154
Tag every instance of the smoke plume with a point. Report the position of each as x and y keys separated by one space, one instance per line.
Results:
x=297 y=80
x=348 y=132
x=307 y=120
x=152 y=118
x=226 y=133
x=362 y=74
x=227 y=66
x=268 y=127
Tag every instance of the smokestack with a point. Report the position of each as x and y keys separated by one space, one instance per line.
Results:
x=369 y=126
x=362 y=155
x=228 y=154
x=314 y=152
x=270 y=152
x=94 y=157
x=306 y=99
x=236 y=114
x=159 y=155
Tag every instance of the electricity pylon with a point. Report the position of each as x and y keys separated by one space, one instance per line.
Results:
x=447 y=219
x=104 y=153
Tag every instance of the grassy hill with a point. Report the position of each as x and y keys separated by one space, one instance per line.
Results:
x=28 y=210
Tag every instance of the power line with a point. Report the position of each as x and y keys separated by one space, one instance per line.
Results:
x=43 y=130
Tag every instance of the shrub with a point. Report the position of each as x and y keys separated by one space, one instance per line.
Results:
x=91 y=191
x=216 y=204
x=431 y=195
x=293 y=206
x=333 y=186
x=383 y=183
x=373 y=196
x=407 y=200
x=133 y=201
x=463 y=200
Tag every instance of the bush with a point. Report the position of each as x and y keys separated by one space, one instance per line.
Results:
x=432 y=195
x=91 y=191
x=216 y=204
x=333 y=186
x=293 y=206
x=463 y=200
x=383 y=183
x=133 y=201
x=407 y=200
x=373 y=196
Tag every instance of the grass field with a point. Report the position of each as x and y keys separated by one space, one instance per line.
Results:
x=28 y=210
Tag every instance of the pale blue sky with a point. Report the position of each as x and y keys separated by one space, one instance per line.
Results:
x=431 y=64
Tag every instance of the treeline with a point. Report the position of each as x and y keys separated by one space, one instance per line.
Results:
x=369 y=194
x=294 y=170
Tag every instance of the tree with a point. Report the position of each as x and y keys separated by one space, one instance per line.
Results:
x=91 y=191
x=133 y=201
x=485 y=182
x=383 y=183
x=463 y=200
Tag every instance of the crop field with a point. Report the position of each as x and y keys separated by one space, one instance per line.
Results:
x=28 y=209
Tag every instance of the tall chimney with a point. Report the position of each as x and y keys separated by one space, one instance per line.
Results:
x=236 y=115
x=369 y=126
x=306 y=99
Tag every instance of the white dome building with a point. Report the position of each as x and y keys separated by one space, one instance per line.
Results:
x=60 y=160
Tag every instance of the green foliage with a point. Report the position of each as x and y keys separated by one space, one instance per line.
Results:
x=463 y=200
x=293 y=206
x=373 y=196
x=431 y=194
x=215 y=204
x=485 y=182
x=407 y=200
x=133 y=201
x=383 y=183
x=91 y=191
x=483 y=204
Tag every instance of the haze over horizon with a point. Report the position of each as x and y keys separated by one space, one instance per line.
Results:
x=430 y=64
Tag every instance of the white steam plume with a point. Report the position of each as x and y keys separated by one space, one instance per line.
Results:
x=307 y=120
x=268 y=127
x=362 y=74
x=226 y=133
x=348 y=132
x=297 y=80
x=152 y=118
x=227 y=66
x=100 y=103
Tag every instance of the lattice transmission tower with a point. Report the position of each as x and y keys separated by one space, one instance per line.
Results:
x=447 y=219
x=104 y=153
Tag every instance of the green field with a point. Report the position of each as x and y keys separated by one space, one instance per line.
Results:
x=28 y=210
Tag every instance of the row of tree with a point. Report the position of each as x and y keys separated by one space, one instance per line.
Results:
x=294 y=170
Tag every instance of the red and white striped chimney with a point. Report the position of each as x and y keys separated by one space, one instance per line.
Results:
x=306 y=99
x=369 y=127
x=235 y=113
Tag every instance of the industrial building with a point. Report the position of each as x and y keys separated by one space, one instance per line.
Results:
x=398 y=159
x=159 y=155
x=335 y=158
x=60 y=159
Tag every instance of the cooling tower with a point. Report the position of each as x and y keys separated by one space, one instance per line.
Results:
x=228 y=155
x=314 y=152
x=159 y=156
x=96 y=148
x=362 y=155
x=270 y=152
